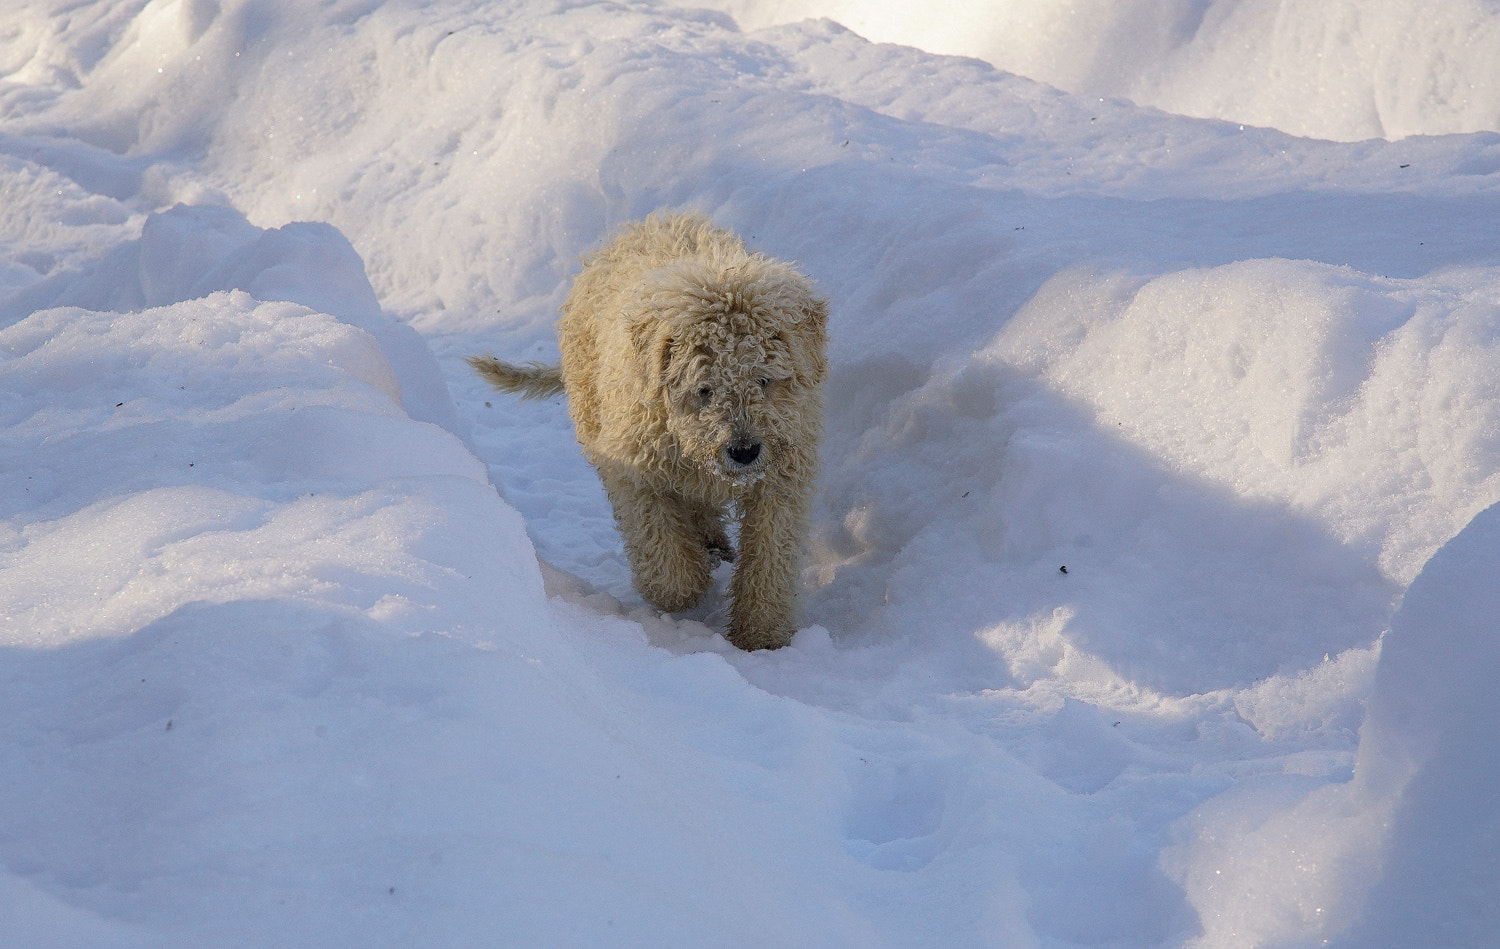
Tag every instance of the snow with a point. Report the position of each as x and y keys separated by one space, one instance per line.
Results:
x=1150 y=597
x=1339 y=69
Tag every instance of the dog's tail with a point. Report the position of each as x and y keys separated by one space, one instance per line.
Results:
x=531 y=381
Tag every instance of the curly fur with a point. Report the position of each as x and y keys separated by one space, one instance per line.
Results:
x=694 y=372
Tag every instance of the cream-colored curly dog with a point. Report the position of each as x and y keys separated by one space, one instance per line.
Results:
x=694 y=372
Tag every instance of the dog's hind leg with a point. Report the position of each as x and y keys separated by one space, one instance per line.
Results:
x=663 y=541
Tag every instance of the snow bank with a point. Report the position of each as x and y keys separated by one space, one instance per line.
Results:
x=185 y=253
x=1404 y=853
x=1344 y=70
x=1372 y=403
x=221 y=448
x=1427 y=745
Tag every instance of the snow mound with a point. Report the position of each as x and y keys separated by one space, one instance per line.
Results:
x=1288 y=380
x=167 y=446
x=1403 y=854
x=188 y=252
x=1343 y=70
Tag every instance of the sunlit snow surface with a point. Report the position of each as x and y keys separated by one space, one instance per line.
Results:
x=1151 y=597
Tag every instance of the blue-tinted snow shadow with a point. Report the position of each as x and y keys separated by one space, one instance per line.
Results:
x=984 y=499
x=268 y=768
x=139 y=762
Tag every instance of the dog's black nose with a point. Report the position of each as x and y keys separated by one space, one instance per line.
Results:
x=744 y=453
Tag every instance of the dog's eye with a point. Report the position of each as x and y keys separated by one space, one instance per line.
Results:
x=705 y=393
x=764 y=382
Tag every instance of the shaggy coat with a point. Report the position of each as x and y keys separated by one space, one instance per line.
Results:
x=694 y=372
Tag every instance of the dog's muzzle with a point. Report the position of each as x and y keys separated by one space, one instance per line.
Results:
x=743 y=455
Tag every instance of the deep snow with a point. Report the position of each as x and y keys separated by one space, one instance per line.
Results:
x=280 y=665
x=1339 y=69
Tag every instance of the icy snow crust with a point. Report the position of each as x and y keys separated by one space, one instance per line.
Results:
x=280 y=664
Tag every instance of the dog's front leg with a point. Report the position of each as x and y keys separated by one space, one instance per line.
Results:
x=663 y=542
x=764 y=590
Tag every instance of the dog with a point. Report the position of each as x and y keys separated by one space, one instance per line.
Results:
x=694 y=373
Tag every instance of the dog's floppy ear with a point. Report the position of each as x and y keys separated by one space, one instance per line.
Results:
x=809 y=357
x=651 y=338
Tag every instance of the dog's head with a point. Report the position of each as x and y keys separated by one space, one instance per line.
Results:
x=738 y=352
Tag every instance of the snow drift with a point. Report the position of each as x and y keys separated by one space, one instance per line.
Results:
x=1343 y=70
x=1148 y=598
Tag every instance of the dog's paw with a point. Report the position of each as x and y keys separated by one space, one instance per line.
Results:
x=671 y=599
x=753 y=638
x=720 y=550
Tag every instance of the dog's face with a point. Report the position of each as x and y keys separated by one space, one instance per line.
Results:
x=742 y=365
